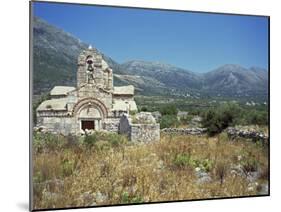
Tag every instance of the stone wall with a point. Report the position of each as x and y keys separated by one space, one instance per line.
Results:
x=62 y=125
x=111 y=124
x=185 y=131
x=147 y=131
x=255 y=135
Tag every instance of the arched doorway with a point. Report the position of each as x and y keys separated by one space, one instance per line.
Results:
x=90 y=118
x=90 y=114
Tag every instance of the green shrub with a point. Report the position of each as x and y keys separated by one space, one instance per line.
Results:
x=126 y=198
x=223 y=137
x=168 y=110
x=206 y=165
x=47 y=142
x=257 y=117
x=90 y=140
x=182 y=160
x=116 y=140
x=249 y=162
x=186 y=119
x=250 y=165
x=169 y=121
x=218 y=119
x=67 y=167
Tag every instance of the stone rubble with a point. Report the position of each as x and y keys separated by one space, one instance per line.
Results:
x=203 y=177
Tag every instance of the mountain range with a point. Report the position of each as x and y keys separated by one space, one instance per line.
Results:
x=55 y=55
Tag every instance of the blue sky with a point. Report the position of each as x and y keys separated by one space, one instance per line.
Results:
x=199 y=42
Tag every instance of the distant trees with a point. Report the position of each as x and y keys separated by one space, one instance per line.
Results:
x=257 y=117
x=216 y=119
x=219 y=118
x=169 y=121
x=169 y=110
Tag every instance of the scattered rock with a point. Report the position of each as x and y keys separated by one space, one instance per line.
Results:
x=100 y=197
x=237 y=170
x=50 y=196
x=86 y=197
x=203 y=177
x=253 y=176
x=253 y=186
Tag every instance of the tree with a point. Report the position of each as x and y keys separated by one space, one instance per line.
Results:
x=169 y=121
x=216 y=120
x=169 y=110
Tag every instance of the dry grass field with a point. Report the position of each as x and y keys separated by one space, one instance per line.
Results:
x=104 y=169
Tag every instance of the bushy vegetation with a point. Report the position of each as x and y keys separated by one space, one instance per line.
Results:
x=104 y=168
x=169 y=116
x=256 y=117
x=169 y=121
x=218 y=119
x=218 y=113
x=169 y=109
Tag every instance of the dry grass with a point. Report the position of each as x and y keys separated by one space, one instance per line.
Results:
x=75 y=174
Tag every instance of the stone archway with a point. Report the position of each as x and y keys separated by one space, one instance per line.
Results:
x=90 y=114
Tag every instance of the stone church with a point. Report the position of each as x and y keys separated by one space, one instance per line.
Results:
x=94 y=104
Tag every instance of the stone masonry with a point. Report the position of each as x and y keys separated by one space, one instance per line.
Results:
x=143 y=128
x=94 y=104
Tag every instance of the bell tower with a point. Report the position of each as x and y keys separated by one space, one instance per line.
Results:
x=90 y=70
x=94 y=76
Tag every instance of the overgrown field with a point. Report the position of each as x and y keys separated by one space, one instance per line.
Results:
x=104 y=169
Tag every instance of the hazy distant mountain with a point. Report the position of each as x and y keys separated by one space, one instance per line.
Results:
x=55 y=63
x=236 y=80
x=169 y=75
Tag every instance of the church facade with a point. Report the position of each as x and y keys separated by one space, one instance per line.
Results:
x=94 y=104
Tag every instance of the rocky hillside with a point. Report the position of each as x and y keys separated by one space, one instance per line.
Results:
x=169 y=75
x=55 y=56
x=236 y=80
x=56 y=52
